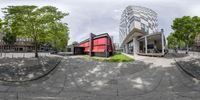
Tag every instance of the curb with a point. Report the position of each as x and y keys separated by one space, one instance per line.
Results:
x=184 y=70
x=36 y=78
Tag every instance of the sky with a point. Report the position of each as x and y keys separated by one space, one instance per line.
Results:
x=103 y=16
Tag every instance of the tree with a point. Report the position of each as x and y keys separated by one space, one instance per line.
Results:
x=0 y=33
x=0 y=23
x=186 y=29
x=9 y=38
x=34 y=22
x=174 y=43
x=58 y=36
x=75 y=43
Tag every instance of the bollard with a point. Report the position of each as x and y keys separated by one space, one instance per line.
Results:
x=12 y=55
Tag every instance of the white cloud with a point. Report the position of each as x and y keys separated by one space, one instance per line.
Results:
x=100 y=16
x=195 y=10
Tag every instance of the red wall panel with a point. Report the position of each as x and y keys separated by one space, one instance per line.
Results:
x=99 y=41
x=109 y=42
x=86 y=49
x=85 y=44
x=99 y=48
x=98 y=45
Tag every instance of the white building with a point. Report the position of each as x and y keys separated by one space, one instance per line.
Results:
x=139 y=30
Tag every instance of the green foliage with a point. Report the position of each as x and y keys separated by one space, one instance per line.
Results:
x=115 y=58
x=9 y=38
x=57 y=36
x=75 y=43
x=41 y=24
x=173 y=42
x=186 y=29
x=0 y=23
x=120 y=58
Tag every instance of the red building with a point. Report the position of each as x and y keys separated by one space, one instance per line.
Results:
x=98 y=45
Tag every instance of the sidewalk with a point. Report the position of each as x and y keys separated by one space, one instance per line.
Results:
x=15 y=70
x=191 y=53
x=136 y=57
x=190 y=64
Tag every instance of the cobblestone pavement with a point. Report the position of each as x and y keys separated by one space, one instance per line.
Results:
x=148 y=78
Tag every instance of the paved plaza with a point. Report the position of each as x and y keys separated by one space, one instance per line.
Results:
x=17 y=70
x=75 y=78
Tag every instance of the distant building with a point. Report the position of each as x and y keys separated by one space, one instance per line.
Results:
x=196 y=45
x=21 y=45
x=138 y=32
x=117 y=47
x=75 y=49
x=198 y=41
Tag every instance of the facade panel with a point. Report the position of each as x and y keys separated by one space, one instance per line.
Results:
x=137 y=22
x=101 y=45
x=136 y=17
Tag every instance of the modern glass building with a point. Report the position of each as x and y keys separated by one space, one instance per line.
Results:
x=138 y=31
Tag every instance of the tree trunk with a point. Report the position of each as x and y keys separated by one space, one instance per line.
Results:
x=1 y=49
x=36 y=50
x=187 y=49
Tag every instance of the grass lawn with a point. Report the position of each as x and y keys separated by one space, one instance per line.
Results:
x=115 y=58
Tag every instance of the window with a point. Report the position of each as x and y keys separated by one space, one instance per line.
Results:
x=150 y=25
x=142 y=27
x=137 y=18
x=132 y=19
x=146 y=29
x=144 y=18
x=130 y=47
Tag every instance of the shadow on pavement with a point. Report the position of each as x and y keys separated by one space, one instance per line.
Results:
x=132 y=80
x=175 y=55
x=78 y=79
x=191 y=66
x=18 y=70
